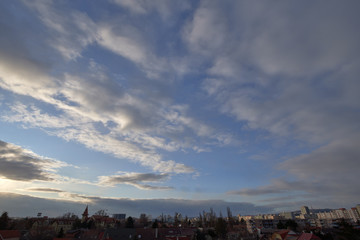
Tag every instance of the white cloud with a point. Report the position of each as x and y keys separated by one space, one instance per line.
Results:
x=164 y=8
x=134 y=6
x=71 y=32
x=122 y=45
x=84 y=132
x=206 y=33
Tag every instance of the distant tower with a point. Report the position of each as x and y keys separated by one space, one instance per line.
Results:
x=305 y=210
x=85 y=215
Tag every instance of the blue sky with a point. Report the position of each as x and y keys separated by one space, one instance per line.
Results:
x=186 y=104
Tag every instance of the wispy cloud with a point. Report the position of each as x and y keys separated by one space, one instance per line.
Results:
x=135 y=179
x=125 y=122
x=70 y=34
x=49 y=190
x=165 y=9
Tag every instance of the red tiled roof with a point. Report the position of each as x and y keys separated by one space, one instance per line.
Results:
x=10 y=233
x=308 y=236
x=283 y=233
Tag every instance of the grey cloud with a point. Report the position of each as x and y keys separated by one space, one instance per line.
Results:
x=256 y=191
x=330 y=170
x=22 y=165
x=341 y=191
x=50 y=190
x=279 y=186
x=319 y=203
x=298 y=91
x=22 y=205
x=279 y=199
x=18 y=61
x=21 y=170
x=136 y=180
x=283 y=38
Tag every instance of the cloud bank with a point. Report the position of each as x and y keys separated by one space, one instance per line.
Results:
x=30 y=206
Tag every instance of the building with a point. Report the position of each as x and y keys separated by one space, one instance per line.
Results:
x=64 y=224
x=287 y=215
x=354 y=214
x=342 y=213
x=305 y=210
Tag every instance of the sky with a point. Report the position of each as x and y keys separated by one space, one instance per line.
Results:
x=141 y=106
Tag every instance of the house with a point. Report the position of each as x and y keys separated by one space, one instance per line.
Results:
x=64 y=224
x=10 y=234
x=103 y=221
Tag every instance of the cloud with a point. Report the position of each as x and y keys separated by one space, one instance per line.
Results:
x=207 y=32
x=81 y=130
x=166 y=9
x=327 y=162
x=275 y=38
x=50 y=190
x=22 y=205
x=23 y=165
x=269 y=77
x=71 y=33
x=21 y=69
x=122 y=45
x=291 y=76
x=327 y=172
x=135 y=179
x=134 y=6
x=127 y=121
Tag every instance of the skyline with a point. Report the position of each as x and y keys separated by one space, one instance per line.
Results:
x=181 y=104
